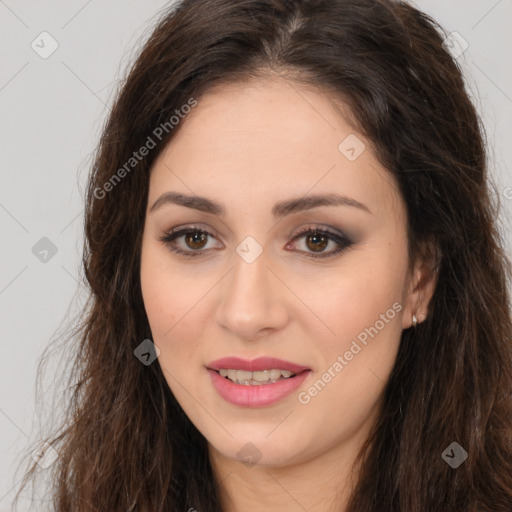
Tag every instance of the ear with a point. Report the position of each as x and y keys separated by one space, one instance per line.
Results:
x=421 y=284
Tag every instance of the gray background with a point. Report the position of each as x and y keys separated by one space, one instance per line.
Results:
x=52 y=111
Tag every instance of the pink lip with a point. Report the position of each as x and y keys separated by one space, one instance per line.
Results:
x=257 y=395
x=259 y=364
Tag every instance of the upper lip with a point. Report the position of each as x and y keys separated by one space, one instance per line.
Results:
x=255 y=365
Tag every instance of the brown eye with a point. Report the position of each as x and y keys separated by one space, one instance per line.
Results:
x=193 y=241
x=316 y=241
x=196 y=239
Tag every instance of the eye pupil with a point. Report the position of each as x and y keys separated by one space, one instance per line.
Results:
x=317 y=238
x=192 y=238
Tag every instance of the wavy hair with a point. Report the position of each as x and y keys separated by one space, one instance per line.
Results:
x=125 y=444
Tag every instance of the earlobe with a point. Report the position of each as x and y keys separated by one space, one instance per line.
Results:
x=423 y=286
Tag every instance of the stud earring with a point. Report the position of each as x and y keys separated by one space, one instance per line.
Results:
x=414 y=320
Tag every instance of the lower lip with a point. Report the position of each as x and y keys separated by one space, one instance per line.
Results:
x=256 y=395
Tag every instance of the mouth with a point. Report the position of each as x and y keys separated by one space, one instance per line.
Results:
x=257 y=388
x=258 y=378
x=256 y=383
x=256 y=372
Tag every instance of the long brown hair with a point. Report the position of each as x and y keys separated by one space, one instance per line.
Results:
x=126 y=444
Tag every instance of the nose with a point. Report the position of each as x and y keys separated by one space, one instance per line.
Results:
x=252 y=300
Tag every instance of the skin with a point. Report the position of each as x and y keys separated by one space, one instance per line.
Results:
x=248 y=146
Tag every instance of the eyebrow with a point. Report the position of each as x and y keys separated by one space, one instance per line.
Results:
x=279 y=210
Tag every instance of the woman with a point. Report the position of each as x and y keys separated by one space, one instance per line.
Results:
x=299 y=293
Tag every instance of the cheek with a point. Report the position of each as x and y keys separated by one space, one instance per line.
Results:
x=355 y=296
x=364 y=312
x=362 y=305
x=173 y=306
x=177 y=317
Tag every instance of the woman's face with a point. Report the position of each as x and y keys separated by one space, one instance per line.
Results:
x=250 y=286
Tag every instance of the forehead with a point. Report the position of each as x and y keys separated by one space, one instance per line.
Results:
x=269 y=138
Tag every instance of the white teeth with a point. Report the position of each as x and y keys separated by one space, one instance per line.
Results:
x=255 y=378
x=275 y=374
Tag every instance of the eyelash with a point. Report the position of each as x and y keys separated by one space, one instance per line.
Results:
x=343 y=241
